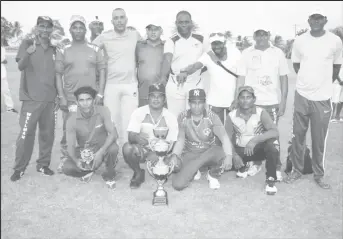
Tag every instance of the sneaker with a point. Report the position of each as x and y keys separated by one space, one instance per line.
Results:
x=292 y=177
x=87 y=178
x=46 y=171
x=322 y=184
x=13 y=111
x=16 y=175
x=242 y=172
x=213 y=183
x=254 y=169
x=111 y=184
x=197 y=176
x=334 y=121
x=278 y=176
x=270 y=186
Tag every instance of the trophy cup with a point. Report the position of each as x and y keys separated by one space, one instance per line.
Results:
x=87 y=158
x=160 y=171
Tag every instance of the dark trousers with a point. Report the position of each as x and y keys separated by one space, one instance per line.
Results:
x=71 y=169
x=273 y=111
x=31 y=114
x=319 y=114
x=268 y=150
x=193 y=161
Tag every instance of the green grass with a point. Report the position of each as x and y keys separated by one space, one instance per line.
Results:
x=61 y=207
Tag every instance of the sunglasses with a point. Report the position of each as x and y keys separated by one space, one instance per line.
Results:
x=217 y=34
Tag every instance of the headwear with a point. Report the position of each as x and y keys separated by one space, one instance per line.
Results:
x=96 y=20
x=317 y=11
x=217 y=37
x=44 y=18
x=158 y=87
x=155 y=22
x=246 y=88
x=197 y=94
x=77 y=18
x=262 y=27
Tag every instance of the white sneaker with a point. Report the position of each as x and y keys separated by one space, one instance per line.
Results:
x=254 y=169
x=279 y=176
x=111 y=184
x=270 y=186
x=197 y=176
x=242 y=174
x=213 y=183
x=87 y=178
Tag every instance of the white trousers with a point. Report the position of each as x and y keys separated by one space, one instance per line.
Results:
x=177 y=97
x=122 y=100
x=5 y=91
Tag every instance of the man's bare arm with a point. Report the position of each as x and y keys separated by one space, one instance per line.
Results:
x=239 y=82
x=102 y=81
x=271 y=130
x=296 y=67
x=165 y=70
x=112 y=134
x=336 y=70
x=193 y=68
x=178 y=148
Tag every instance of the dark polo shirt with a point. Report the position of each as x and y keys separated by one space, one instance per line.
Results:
x=149 y=62
x=79 y=128
x=37 y=81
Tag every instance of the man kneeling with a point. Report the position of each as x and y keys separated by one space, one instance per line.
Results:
x=254 y=135
x=92 y=129
x=195 y=145
x=143 y=121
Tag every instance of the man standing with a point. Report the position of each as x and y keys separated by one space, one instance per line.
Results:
x=96 y=27
x=149 y=57
x=38 y=92
x=5 y=90
x=77 y=65
x=140 y=132
x=94 y=132
x=254 y=136
x=222 y=86
x=264 y=67
x=317 y=59
x=195 y=146
x=121 y=95
x=180 y=51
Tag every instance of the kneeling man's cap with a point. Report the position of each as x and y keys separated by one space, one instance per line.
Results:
x=158 y=87
x=246 y=88
x=197 y=94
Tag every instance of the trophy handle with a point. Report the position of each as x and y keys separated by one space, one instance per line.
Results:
x=148 y=166
x=172 y=166
x=152 y=142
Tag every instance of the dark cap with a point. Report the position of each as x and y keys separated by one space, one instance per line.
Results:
x=158 y=87
x=246 y=88
x=197 y=94
x=44 y=18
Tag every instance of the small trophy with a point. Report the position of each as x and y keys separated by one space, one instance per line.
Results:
x=160 y=171
x=87 y=158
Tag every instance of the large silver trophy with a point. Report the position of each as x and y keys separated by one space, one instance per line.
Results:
x=160 y=171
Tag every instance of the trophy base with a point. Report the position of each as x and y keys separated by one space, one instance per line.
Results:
x=160 y=200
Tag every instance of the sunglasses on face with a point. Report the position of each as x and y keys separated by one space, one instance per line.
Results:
x=217 y=34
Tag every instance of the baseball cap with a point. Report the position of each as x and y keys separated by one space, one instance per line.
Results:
x=217 y=37
x=317 y=11
x=44 y=18
x=96 y=20
x=197 y=94
x=77 y=18
x=246 y=88
x=155 y=22
x=157 y=87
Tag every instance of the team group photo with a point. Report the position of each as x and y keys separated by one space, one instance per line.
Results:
x=120 y=127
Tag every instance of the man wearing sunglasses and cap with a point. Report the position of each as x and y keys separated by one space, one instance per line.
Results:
x=140 y=132
x=264 y=67
x=254 y=136
x=221 y=66
x=96 y=27
x=195 y=146
x=149 y=57
x=36 y=61
x=77 y=65
x=317 y=59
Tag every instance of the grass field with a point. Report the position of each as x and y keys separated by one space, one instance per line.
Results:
x=60 y=207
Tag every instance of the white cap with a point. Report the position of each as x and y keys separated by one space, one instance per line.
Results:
x=216 y=37
x=318 y=11
x=77 y=18
x=155 y=22
x=262 y=27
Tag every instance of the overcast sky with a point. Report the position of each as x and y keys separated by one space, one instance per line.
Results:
x=238 y=17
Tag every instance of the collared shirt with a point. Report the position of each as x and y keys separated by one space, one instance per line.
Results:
x=262 y=71
x=79 y=64
x=142 y=122
x=78 y=128
x=244 y=130
x=222 y=85
x=316 y=56
x=185 y=52
x=149 y=63
x=3 y=58
x=120 y=50
x=37 y=82
x=199 y=138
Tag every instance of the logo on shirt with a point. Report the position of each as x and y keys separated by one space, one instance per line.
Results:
x=265 y=80
x=207 y=131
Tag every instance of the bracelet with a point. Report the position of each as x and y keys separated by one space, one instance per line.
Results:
x=101 y=96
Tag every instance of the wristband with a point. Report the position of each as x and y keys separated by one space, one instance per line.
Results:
x=101 y=96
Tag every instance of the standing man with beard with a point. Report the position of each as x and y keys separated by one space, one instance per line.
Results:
x=180 y=51
x=222 y=87
x=121 y=91
x=96 y=27
x=317 y=59
x=77 y=65
x=37 y=90
x=149 y=57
